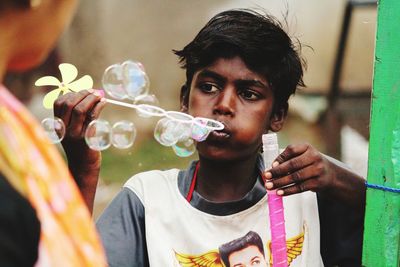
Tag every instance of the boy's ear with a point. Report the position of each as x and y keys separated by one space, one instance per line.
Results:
x=278 y=118
x=184 y=98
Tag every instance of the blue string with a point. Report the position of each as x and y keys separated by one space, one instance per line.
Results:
x=383 y=188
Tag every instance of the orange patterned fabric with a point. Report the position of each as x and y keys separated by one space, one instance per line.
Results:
x=36 y=169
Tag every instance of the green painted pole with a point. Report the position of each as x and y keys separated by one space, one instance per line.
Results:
x=382 y=221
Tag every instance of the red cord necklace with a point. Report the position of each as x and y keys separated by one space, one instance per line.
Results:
x=193 y=183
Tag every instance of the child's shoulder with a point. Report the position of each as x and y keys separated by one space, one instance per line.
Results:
x=153 y=181
x=152 y=176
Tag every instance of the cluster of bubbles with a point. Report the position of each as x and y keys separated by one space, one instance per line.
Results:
x=99 y=134
x=129 y=81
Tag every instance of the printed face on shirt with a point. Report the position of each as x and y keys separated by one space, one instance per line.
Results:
x=246 y=257
x=228 y=91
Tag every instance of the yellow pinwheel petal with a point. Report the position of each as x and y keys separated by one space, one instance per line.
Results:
x=86 y=82
x=68 y=72
x=47 y=80
x=50 y=97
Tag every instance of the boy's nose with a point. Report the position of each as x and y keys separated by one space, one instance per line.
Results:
x=225 y=104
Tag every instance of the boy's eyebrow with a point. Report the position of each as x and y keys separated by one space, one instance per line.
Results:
x=220 y=78
x=211 y=74
x=253 y=82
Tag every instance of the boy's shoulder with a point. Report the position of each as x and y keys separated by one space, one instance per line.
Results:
x=153 y=181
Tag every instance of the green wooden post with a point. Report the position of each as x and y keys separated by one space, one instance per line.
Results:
x=382 y=221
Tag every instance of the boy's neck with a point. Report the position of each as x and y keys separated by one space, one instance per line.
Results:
x=226 y=181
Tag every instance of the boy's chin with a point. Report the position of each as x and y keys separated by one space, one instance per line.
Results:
x=219 y=154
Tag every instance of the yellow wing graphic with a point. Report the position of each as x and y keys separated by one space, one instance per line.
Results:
x=294 y=248
x=208 y=259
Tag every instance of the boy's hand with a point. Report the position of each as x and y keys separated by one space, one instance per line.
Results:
x=300 y=168
x=77 y=110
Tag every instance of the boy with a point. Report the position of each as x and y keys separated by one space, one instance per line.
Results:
x=241 y=69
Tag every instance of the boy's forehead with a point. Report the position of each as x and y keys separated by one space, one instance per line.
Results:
x=232 y=68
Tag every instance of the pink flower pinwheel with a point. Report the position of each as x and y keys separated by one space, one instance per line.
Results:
x=68 y=74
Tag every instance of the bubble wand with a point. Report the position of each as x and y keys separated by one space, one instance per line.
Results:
x=150 y=110
x=126 y=81
x=275 y=205
x=121 y=81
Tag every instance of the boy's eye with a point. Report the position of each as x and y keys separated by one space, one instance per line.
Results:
x=208 y=87
x=249 y=94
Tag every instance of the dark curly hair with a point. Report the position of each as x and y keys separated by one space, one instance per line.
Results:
x=258 y=39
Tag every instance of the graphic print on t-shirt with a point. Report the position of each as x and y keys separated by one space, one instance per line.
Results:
x=244 y=251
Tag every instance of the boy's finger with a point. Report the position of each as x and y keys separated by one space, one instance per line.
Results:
x=64 y=104
x=94 y=114
x=298 y=176
x=290 y=166
x=296 y=188
x=81 y=113
x=292 y=151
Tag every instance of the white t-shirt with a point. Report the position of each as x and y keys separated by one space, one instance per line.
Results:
x=178 y=234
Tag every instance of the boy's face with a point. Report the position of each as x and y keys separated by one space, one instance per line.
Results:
x=247 y=257
x=228 y=91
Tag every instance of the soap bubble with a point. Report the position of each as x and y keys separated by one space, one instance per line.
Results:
x=136 y=82
x=113 y=82
x=184 y=147
x=147 y=106
x=165 y=133
x=199 y=132
x=126 y=80
x=168 y=132
x=123 y=134
x=145 y=110
x=98 y=135
x=202 y=127
x=183 y=124
x=210 y=124
x=54 y=128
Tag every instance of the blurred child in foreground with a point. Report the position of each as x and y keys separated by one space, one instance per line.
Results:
x=43 y=219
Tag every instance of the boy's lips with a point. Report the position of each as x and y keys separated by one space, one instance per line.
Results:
x=220 y=134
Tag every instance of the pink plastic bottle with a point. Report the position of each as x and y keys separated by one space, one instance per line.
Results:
x=275 y=205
